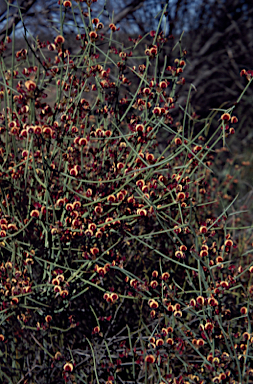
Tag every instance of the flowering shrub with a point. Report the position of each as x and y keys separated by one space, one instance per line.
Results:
x=116 y=266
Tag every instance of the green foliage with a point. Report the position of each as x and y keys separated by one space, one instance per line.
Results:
x=118 y=263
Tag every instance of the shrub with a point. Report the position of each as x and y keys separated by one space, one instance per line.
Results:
x=118 y=264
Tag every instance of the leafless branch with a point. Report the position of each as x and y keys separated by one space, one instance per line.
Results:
x=14 y=19
x=132 y=7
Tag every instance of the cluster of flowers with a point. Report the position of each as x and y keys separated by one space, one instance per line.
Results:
x=102 y=231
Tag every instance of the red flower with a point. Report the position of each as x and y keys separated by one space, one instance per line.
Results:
x=67 y=4
x=150 y=359
x=68 y=367
x=112 y=27
x=165 y=276
x=203 y=229
x=243 y=310
x=178 y=141
x=30 y=85
x=153 y=284
x=170 y=341
x=48 y=318
x=35 y=213
x=93 y=35
x=59 y=39
x=225 y=117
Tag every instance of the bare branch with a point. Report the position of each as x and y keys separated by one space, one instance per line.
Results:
x=132 y=7
x=24 y=7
